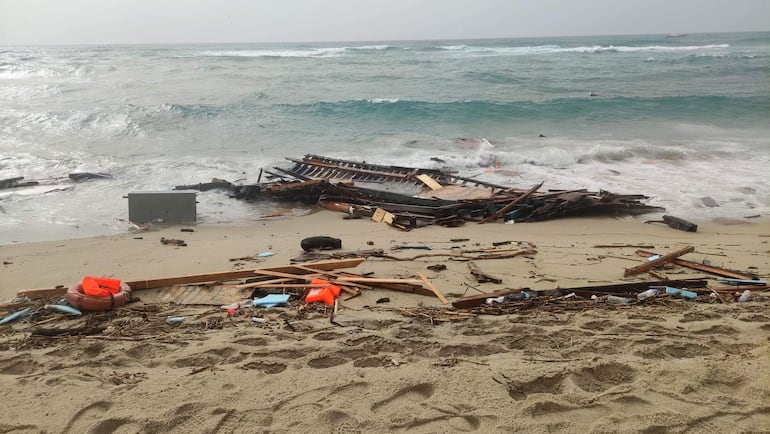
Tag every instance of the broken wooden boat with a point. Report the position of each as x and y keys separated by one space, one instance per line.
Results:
x=414 y=197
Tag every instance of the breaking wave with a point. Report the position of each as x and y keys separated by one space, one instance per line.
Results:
x=700 y=108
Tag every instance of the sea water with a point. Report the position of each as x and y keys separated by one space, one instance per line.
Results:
x=677 y=119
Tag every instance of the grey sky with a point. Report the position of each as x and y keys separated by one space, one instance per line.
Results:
x=179 y=21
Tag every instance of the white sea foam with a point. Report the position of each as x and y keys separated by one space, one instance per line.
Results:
x=311 y=53
x=556 y=49
x=383 y=100
x=369 y=47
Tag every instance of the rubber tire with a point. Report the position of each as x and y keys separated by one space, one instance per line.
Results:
x=320 y=242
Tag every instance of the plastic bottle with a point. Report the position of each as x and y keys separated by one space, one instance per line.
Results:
x=746 y=296
x=650 y=293
x=612 y=299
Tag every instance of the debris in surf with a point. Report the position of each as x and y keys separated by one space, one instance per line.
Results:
x=409 y=198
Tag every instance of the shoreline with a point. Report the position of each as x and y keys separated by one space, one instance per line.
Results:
x=139 y=254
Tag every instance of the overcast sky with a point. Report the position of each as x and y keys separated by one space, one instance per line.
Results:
x=179 y=21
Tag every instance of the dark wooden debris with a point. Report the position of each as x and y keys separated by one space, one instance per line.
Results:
x=702 y=267
x=479 y=299
x=84 y=176
x=632 y=288
x=649 y=265
x=677 y=223
x=206 y=186
x=16 y=182
x=481 y=276
x=359 y=189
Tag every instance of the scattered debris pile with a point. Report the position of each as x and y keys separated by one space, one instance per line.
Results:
x=280 y=296
x=408 y=198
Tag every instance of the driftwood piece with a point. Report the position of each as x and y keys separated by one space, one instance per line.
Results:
x=677 y=223
x=638 y=246
x=402 y=285
x=430 y=286
x=209 y=277
x=478 y=299
x=430 y=182
x=623 y=288
x=700 y=267
x=16 y=182
x=657 y=262
x=481 y=276
x=463 y=255
x=513 y=203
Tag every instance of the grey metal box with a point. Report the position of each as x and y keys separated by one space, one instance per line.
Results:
x=162 y=207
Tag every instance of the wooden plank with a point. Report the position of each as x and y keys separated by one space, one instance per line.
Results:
x=430 y=182
x=264 y=282
x=621 y=288
x=400 y=287
x=700 y=267
x=657 y=262
x=679 y=223
x=481 y=276
x=479 y=299
x=208 y=277
x=375 y=280
x=430 y=286
x=513 y=203
x=281 y=274
x=378 y=215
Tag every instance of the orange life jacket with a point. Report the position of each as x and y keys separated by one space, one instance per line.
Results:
x=100 y=286
x=325 y=294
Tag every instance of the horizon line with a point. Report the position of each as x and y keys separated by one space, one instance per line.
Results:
x=685 y=34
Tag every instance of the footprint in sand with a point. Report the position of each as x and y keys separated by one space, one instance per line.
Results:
x=326 y=362
x=470 y=350
x=544 y=384
x=89 y=416
x=252 y=342
x=188 y=418
x=266 y=367
x=416 y=393
x=674 y=351
x=599 y=325
x=602 y=377
x=20 y=365
x=342 y=423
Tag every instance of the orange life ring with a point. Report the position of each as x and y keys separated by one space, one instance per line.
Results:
x=77 y=298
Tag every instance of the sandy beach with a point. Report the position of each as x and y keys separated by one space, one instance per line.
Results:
x=673 y=366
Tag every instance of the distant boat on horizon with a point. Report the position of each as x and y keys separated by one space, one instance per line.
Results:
x=676 y=35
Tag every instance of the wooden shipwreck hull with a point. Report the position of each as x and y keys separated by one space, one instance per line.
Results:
x=413 y=197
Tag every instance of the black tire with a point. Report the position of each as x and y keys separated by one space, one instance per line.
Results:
x=321 y=242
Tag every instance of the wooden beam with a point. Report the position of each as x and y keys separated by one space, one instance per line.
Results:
x=657 y=262
x=375 y=280
x=700 y=267
x=481 y=276
x=430 y=286
x=478 y=299
x=430 y=182
x=513 y=203
x=332 y=264
x=625 y=288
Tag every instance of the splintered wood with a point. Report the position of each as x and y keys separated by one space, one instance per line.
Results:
x=649 y=265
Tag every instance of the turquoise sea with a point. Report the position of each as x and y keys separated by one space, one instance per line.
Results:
x=675 y=118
